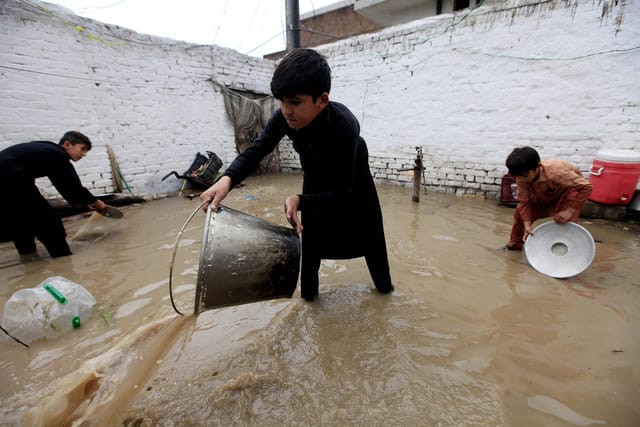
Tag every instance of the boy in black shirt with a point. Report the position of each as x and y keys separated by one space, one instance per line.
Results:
x=341 y=215
x=29 y=215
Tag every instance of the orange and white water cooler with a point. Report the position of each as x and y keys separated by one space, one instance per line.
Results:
x=614 y=176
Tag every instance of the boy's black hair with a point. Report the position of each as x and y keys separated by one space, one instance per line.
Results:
x=75 y=137
x=301 y=72
x=522 y=160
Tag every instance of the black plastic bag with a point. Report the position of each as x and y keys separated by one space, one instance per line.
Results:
x=203 y=171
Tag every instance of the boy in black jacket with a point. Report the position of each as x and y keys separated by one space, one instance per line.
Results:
x=341 y=215
x=28 y=215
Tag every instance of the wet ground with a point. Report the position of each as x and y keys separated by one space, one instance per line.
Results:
x=472 y=337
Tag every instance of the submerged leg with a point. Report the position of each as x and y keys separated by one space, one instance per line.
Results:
x=309 y=283
x=57 y=247
x=25 y=244
x=378 y=264
x=50 y=231
x=516 y=241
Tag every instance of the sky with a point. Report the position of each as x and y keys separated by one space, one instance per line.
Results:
x=252 y=27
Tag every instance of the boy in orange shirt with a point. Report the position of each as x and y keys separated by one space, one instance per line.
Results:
x=548 y=188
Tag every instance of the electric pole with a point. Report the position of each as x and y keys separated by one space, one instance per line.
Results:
x=293 y=24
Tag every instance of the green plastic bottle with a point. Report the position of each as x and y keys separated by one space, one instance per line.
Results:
x=55 y=293
x=75 y=322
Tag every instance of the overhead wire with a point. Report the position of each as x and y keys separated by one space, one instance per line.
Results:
x=456 y=21
x=540 y=58
x=96 y=35
x=84 y=9
x=244 y=35
x=264 y=43
x=220 y=20
x=310 y=31
x=91 y=34
x=281 y=33
x=99 y=81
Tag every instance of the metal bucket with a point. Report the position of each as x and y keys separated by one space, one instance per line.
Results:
x=245 y=259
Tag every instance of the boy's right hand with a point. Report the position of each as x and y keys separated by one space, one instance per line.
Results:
x=563 y=216
x=291 y=212
x=216 y=193
x=98 y=205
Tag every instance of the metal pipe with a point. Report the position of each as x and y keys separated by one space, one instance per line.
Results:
x=418 y=171
x=417 y=175
x=293 y=24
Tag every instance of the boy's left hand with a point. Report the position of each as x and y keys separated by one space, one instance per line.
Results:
x=291 y=212
x=563 y=216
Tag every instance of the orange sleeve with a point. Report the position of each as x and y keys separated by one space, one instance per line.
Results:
x=578 y=189
x=524 y=199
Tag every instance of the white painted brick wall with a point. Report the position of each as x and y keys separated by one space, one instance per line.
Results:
x=470 y=87
x=149 y=98
x=466 y=87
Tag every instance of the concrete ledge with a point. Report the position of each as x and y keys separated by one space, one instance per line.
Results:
x=610 y=212
x=114 y=199
x=593 y=210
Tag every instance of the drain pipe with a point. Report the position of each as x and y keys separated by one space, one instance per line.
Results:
x=293 y=24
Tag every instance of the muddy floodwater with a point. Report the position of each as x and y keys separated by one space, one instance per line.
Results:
x=472 y=336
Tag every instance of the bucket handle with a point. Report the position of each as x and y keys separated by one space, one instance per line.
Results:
x=598 y=173
x=173 y=255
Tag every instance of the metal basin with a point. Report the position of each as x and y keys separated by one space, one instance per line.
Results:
x=560 y=250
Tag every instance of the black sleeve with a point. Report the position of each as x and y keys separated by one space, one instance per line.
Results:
x=65 y=179
x=265 y=143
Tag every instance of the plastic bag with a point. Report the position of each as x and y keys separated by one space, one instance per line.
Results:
x=203 y=171
x=54 y=307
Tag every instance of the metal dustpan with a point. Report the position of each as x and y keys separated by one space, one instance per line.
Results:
x=110 y=212
x=245 y=259
x=560 y=250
